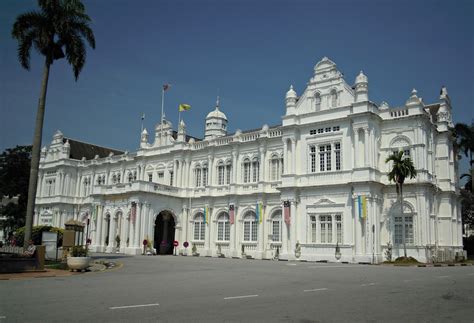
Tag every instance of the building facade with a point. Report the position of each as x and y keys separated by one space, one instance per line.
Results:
x=313 y=188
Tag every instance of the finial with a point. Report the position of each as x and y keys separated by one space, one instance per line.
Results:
x=291 y=87
x=414 y=91
x=217 y=102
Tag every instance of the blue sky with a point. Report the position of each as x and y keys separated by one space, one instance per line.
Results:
x=249 y=51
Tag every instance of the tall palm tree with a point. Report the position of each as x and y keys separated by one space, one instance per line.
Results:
x=56 y=31
x=402 y=168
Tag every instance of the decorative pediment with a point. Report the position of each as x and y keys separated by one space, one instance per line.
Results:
x=324 y=201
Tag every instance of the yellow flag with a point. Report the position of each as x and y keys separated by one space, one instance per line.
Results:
x=184 y=107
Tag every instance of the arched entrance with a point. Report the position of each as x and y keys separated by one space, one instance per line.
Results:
x=164 y=233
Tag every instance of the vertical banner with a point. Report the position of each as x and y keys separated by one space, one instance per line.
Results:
x=231 y=213
x=286 y=211
x=362 y=205
x=133 y=213
x=257 y=212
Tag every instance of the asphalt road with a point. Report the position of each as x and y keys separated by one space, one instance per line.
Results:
x=196 y=289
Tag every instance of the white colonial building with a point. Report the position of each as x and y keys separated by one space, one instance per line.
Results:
x=296 y=187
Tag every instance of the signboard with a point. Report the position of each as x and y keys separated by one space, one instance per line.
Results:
x=175 y=243
x=186 y=244
x=50 y=241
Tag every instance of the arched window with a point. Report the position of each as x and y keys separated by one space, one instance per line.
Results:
x=118 y=178
x=276 y=226
x=197 y=175
x=223 y=227
x=130 y=177
x=114 y=179
x=255 y=170
x=134 y=175
x=220 y=173
x=276 y=167
x=401 y=143
x=204 y=174
x=333 y=98
x=402 y=225
x=317 y=101
x=246 y=170
x=199 y=227
x=250 y=227
x=228 y=171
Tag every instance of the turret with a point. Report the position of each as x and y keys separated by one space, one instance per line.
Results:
x=144 y=138
x=290 y=100
x=444 y=113
x=181 y=131
x=361 y=88
x=216 y=123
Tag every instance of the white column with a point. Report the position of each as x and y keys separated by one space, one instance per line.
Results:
x=136 y=240
x=285 y=236
x=144 y=223
x=234 y=167
x=98 y=235
x=261 y=232
x=293 y=237
x=293 y=157
x=262 y=164
x=285 y=157
x=355 y=151
x=367 y=147
x=210 y=171
x=175 y=175
x=112 y=234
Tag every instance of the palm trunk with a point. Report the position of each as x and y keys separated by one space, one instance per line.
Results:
x=35 y=155
x=403 y=221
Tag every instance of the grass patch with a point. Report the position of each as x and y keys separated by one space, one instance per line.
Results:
x=405 y=261
x=53 y=264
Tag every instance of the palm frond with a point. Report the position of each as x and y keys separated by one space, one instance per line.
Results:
x=75 y=53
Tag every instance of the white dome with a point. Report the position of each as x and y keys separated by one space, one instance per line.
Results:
x=361 y=78
x=216 y=114
x=291 y=93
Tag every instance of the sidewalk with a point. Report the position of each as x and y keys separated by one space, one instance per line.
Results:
x=37 y=274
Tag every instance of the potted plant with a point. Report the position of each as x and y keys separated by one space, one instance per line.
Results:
x=78 y=258
x=194 y=250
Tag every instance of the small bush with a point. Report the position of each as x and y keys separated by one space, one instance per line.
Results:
x=37 y=233
x=406 y=260
x=79 y=251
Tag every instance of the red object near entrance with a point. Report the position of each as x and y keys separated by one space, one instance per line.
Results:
x=175 y=243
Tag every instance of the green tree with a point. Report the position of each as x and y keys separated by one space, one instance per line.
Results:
x=402 y=168
x=56 y=31
x=465 y=142
x=14 y=176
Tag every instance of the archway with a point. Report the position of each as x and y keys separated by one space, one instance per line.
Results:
x=164 y=233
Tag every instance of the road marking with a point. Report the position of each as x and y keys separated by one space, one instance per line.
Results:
x=245 y=296
x=314 y=290
x=443 y=276
x=407 y=280
x=132 y=306
x=471 y=274
x=291 y=264
x=369 y=284
x=3 y=317
x=331 y=266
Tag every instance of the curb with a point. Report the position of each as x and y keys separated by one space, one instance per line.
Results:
x=445 y=265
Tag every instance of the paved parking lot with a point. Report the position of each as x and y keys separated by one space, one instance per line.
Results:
x=169 y=288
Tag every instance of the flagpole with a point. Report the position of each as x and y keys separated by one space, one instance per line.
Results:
x=162 y=103
x=143 y=118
